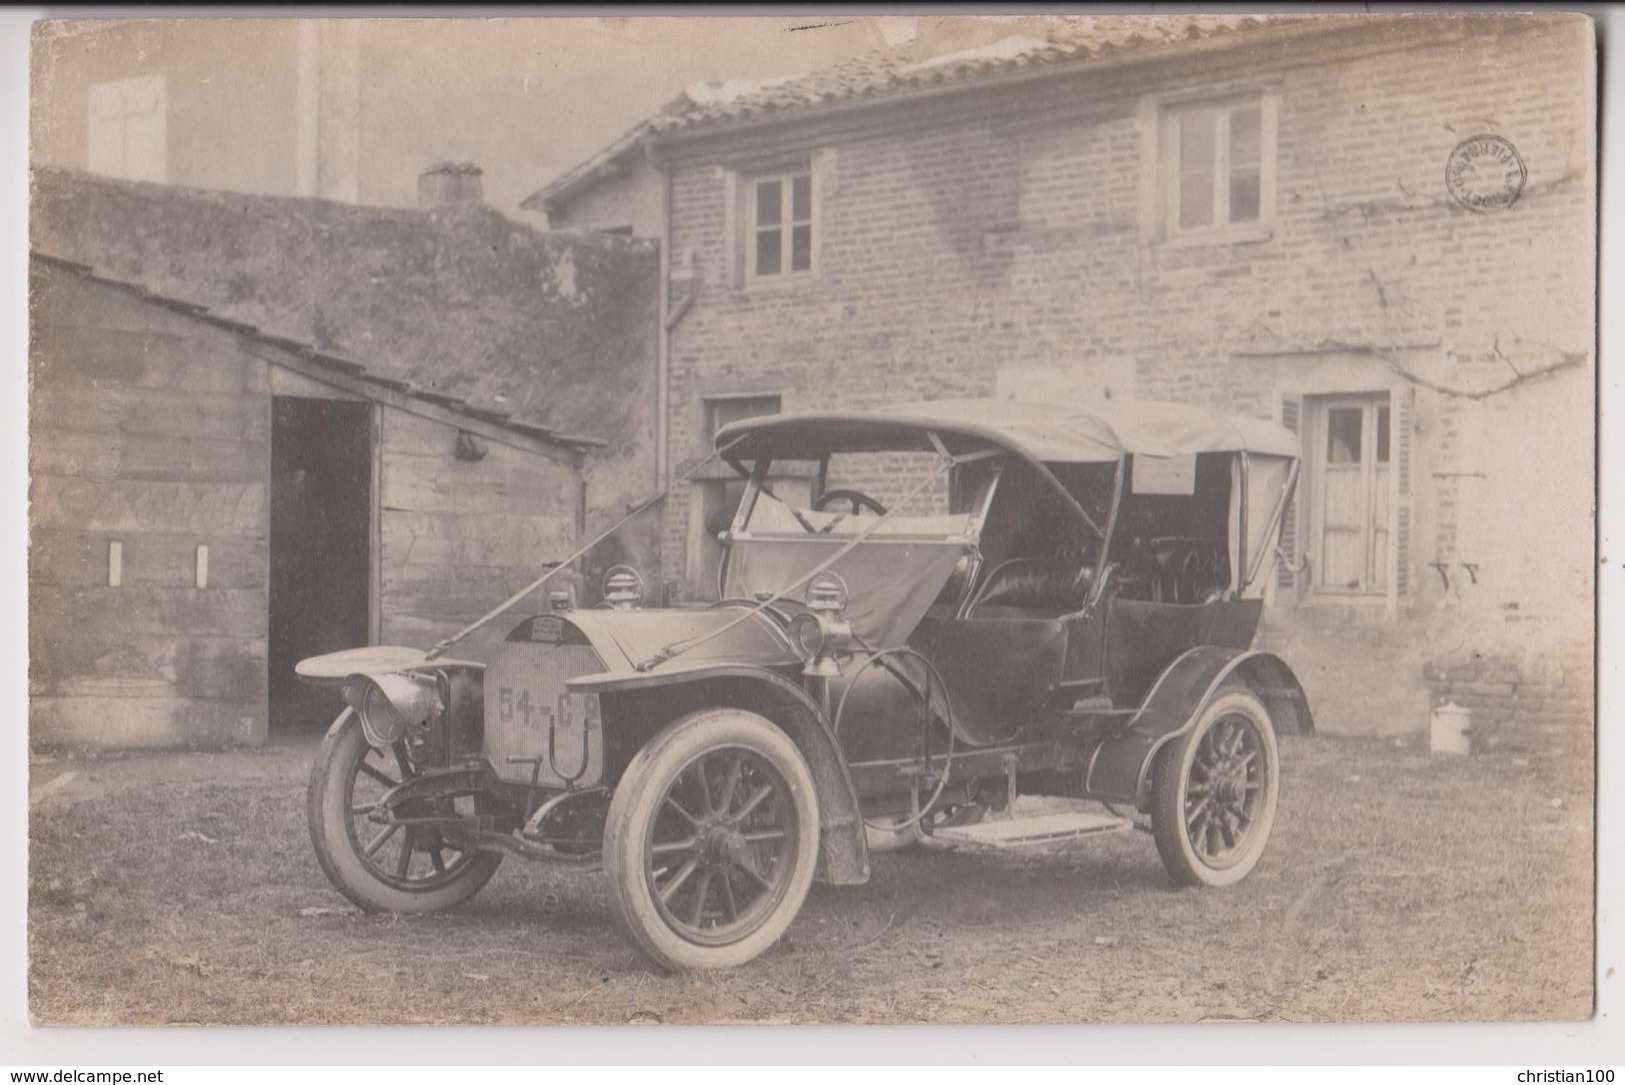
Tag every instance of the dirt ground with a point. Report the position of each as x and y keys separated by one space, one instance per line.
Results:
x=181 y=889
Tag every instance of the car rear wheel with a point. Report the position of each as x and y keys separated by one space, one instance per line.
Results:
x=1214 y=791
x=711 y=841
x=379 y=867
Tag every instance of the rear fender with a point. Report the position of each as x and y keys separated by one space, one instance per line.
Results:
x=1120 y=770
x=635 y=708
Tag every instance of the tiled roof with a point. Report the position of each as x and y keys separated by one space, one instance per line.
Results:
x=909 y=67
x=877 y=75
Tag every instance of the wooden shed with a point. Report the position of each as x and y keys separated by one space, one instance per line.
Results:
x=210 y=503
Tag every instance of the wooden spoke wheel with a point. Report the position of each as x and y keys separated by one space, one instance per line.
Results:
x=385 y=867
x=1214 y=793
x=711 y=841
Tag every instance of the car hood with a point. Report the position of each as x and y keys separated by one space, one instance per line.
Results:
x=623 y=639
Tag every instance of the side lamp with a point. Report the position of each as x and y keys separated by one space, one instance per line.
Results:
x=819 y=634
x=623 y=588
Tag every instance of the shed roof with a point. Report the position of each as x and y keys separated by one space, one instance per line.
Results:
x=464 y=306
x=352 y=376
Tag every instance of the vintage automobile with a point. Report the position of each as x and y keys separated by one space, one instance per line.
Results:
x=971 y=600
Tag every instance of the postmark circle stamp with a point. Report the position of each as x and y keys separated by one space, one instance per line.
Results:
x=1485 y=173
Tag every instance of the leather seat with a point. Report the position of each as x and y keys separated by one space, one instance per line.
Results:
x=1179 y=570
x=1037 y=584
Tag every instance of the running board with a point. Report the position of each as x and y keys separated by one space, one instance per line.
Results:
x=1027 y=831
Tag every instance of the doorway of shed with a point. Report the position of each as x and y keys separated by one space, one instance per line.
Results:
x=321 y=501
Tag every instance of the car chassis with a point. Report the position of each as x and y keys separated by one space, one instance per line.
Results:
x=1078 y=623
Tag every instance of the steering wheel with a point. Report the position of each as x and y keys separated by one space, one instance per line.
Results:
x=855 y=498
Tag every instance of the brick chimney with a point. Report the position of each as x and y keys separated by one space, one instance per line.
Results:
x=450 y=184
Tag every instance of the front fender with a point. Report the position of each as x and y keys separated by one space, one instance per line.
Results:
x=1120 y=770
x=333 y=668
x=636 y=705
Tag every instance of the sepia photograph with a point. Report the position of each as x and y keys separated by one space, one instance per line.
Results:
x=835 y=518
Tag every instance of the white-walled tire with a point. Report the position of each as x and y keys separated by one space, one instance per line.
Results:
x=1214 y=792
x=381 y=868
x=711 y=841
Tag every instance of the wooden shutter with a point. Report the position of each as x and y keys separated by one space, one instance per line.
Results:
x=1404 y=409
x=1291 y=418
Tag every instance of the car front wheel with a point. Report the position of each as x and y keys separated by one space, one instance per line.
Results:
x=384 y=867
x=1214 y=791
x=711 y=841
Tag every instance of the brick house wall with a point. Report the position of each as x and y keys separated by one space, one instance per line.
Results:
x=1018 y=232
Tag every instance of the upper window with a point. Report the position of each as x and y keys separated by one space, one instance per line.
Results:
x=1218 y=168
x=129 y=128
x=780 y=239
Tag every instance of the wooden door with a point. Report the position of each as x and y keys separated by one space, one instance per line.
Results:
x=1354 y=480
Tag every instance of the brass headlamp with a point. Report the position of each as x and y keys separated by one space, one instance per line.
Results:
x=391 y=704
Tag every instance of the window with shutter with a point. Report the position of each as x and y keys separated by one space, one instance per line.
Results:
x=1291 y=413
x=1355 y=522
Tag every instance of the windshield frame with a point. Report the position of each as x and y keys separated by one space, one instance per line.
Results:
x=982 y=449
x=756 y=475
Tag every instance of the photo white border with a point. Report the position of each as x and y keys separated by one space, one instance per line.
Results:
x=1600 y=1041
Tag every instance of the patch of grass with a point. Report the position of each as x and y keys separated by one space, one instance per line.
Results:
x=1397 y=886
